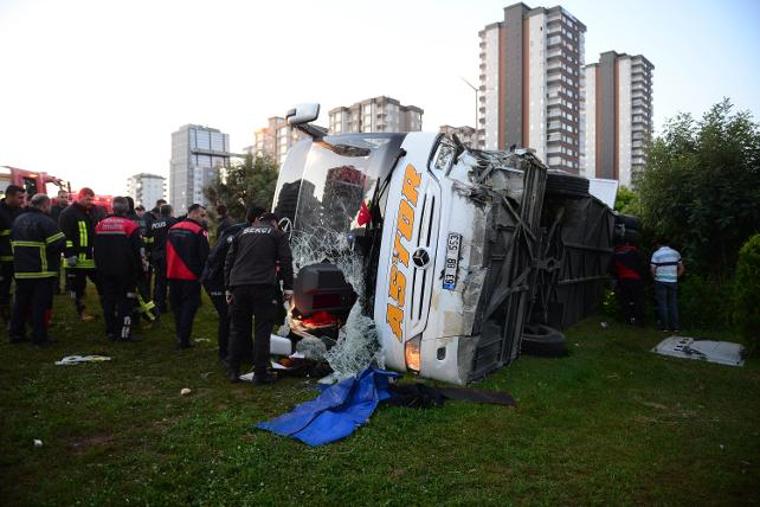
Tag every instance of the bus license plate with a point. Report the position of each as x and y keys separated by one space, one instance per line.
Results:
x=453 y=244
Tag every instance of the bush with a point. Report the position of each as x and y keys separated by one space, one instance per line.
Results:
x=746 y=310
x=704 y=303
x=701 y=187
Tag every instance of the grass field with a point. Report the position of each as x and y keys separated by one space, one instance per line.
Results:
x=611 y=424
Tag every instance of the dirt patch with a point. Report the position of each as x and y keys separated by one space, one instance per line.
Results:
x=81 y=445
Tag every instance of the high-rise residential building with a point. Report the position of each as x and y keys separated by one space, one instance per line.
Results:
x=530 y=84
x=618 y=99
x=378 y=114
x=146 y=189
x=468 y=135
x=197 y=154
x=275 y=139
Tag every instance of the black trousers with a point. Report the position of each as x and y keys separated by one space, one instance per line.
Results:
x=260 y=303
x=631 y=293
x=77 y=280
x=159 y=291
x=185 y=298
x=6 y=279
x=33 y=302
x=118 y=298
x=223 y=328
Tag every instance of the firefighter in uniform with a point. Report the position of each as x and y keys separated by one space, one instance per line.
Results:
x=186 y=252
x=78 y=224
x=145 y=305
x=159 y=229
x=118 y=255
x=10 y=208
x=251 y=280
x=213 y=282
x=146 y=226
x=37 y=245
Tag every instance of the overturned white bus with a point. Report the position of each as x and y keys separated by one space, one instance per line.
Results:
x=440 y=251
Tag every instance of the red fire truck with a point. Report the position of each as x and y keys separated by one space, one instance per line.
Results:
x=35 y=182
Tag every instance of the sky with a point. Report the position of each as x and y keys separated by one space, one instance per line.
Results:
x=91 y=90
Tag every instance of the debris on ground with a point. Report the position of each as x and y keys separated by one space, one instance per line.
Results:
x=37 y=442
x=68 y=360
x=342 y=407
x=726 y=353
x=185 y=391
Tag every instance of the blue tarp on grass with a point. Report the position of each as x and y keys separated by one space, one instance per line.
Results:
x=337 y=412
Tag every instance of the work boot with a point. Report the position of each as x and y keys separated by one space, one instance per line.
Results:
x=266 y=379
x=233 y=376
x=232 y=371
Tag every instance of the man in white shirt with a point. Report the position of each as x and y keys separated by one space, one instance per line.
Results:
x=667 y=266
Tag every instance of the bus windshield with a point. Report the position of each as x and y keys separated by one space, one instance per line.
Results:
x=322 y=185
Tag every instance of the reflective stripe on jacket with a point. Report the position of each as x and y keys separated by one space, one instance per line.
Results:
x=37 y=245
x=78 y=225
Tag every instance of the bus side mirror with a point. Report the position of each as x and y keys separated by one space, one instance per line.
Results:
x=302 y=113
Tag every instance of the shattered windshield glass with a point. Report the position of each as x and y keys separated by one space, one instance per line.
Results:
x=323 y=184
x=324 y=192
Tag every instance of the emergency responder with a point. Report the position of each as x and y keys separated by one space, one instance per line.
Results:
x=251 y=280
x=10 y=208
x=78 y=224
x=213 y=282
x=159 y=230
x=118 y=256
x=145 y=305
x=37 y=245
x=186 y=252
x=61 y=203
x=146 y=223
x=156 y=211
x=224 y=220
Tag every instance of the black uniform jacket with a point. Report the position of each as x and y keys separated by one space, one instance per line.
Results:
x=254 y=256
x=37 y=245
x=78 y=224
x=7 y=216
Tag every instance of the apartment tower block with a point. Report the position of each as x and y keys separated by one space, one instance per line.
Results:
x=618 y=97
x=530 y=84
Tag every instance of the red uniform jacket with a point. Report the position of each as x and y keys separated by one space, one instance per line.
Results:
x=186 y=250
x=118 y=248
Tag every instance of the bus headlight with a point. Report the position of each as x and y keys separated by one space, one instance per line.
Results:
x=412 y=353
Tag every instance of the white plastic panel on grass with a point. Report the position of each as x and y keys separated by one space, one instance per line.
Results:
x=727 y=353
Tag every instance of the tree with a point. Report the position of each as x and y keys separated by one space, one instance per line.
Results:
x=244 y=184
x=701 y=187
x=747 y=292
x=627 y=202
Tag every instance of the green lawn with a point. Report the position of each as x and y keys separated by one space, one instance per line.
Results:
x=611 y=424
